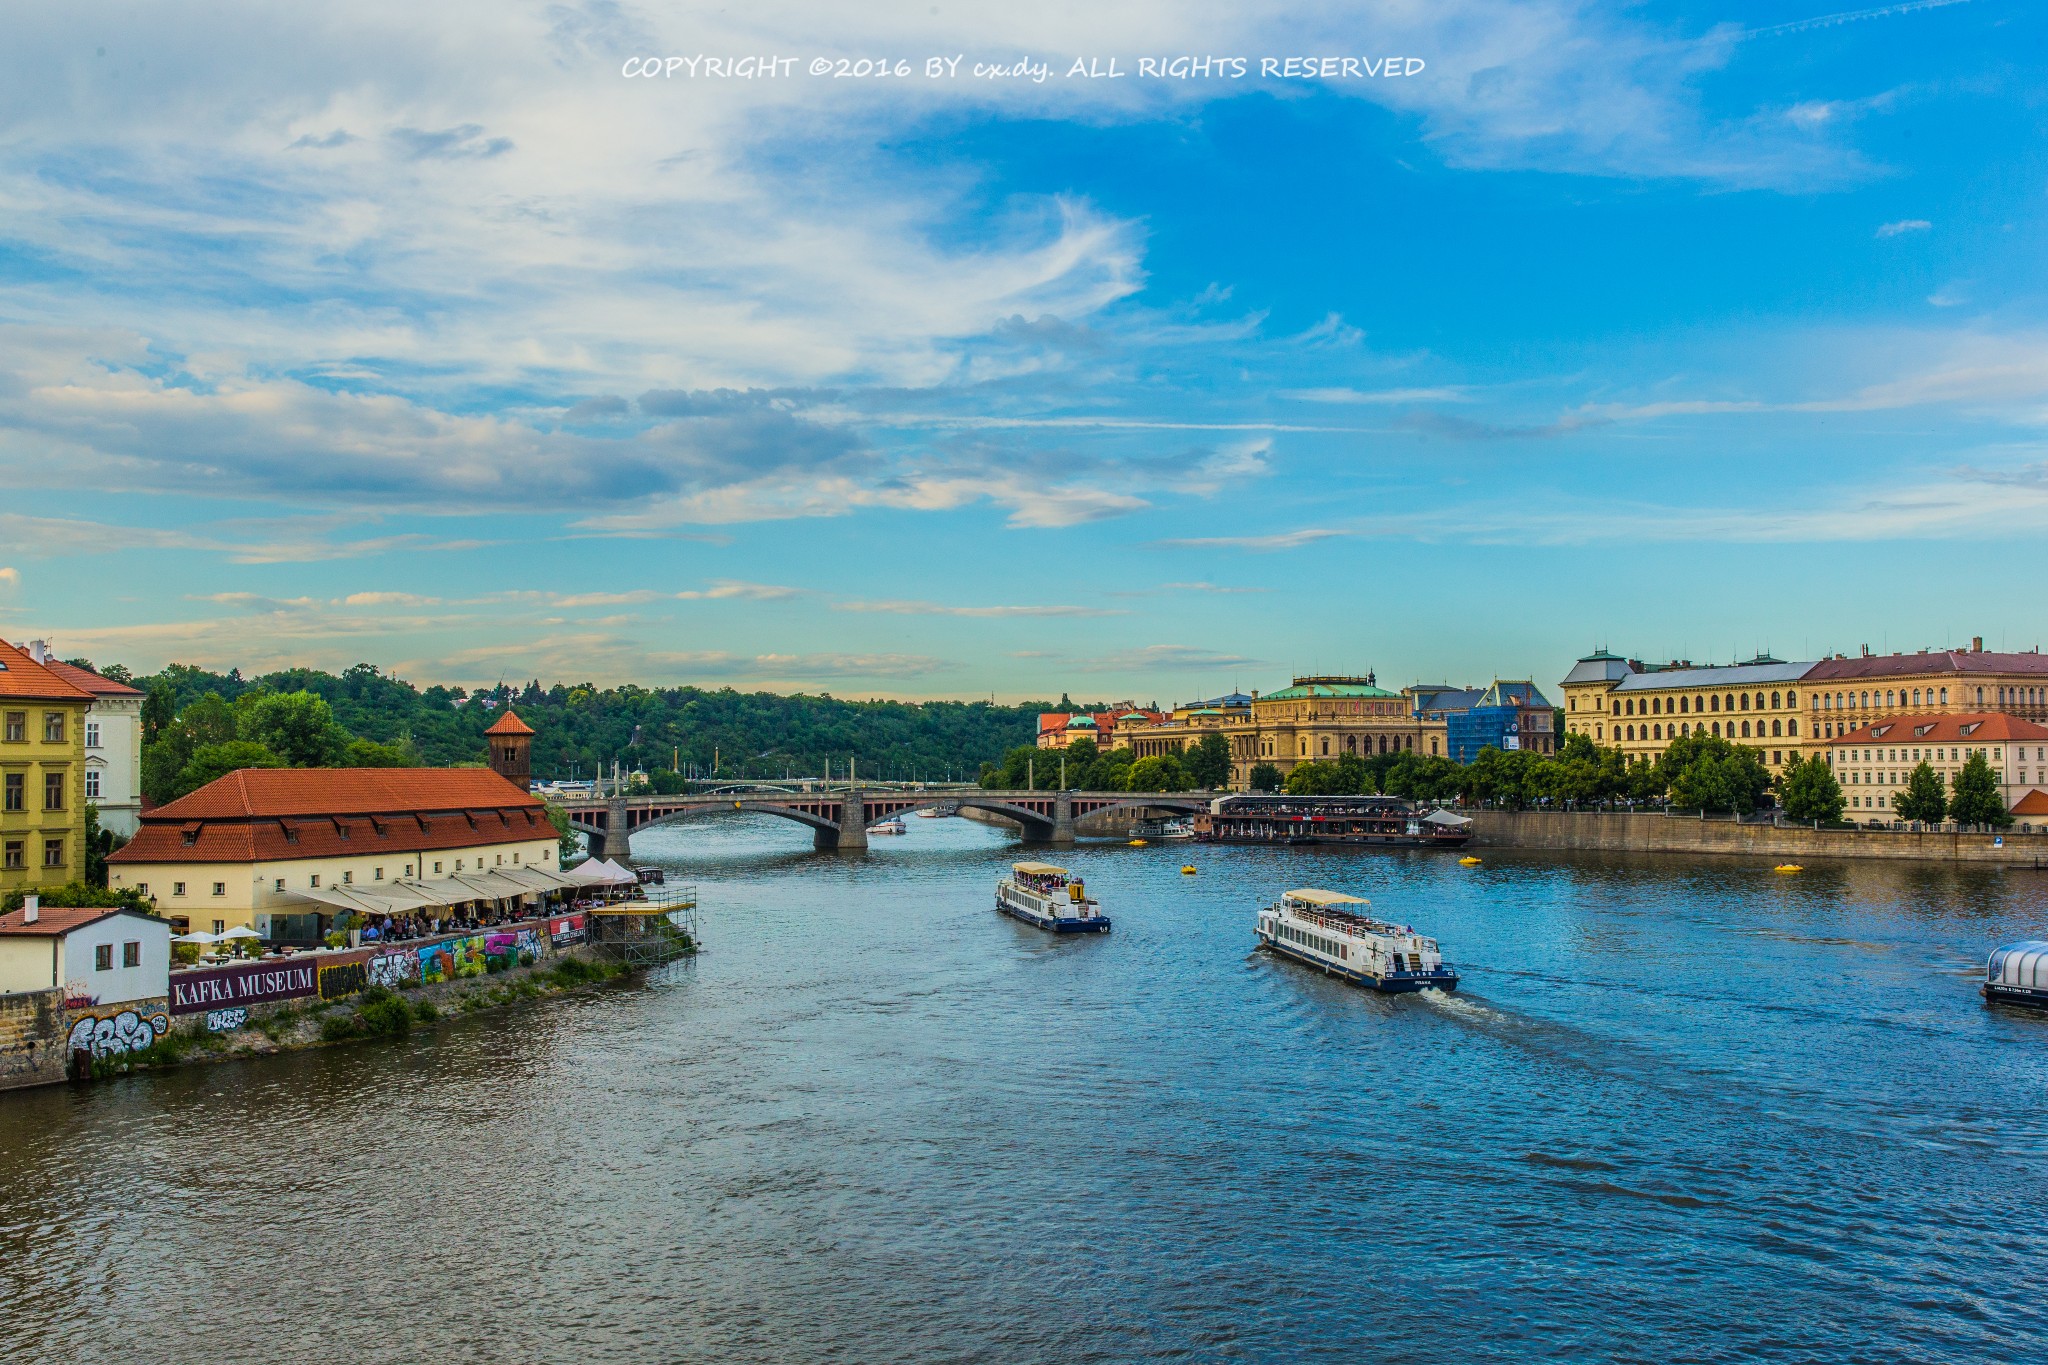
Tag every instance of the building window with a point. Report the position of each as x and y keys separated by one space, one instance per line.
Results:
x=53 y=791
x=131 y=953
x=103 y=957
x=220 y=926
x=277 y=885
x=177 y=888
x=53 y=727
x=92 y=784
x=17 y=727
x=142 y=888
x=408 y=869
x=17 y=791
x=1792 y=700
x=16 y=854
x=437 y=865
x=53 y=853
x=347 y=877
x=1792 y=727
x=378 y=875
x=220 y=888
x=92 y=734
x=315 y=882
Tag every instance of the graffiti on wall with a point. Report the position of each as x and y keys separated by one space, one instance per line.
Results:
x=392 y=970
x=509 y=947
x=339 y=979
x=452 y=958
x=128 y=1031
x=226 y=1021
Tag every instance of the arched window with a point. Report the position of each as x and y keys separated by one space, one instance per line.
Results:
x=1745 y=729
x=1888 y=697
x=1684 y=730
x=1684 y=703
x=1713 y=703
x=1631 y=732
x=1656 y=706
x=1774 y=701
x=1759 y=701
x=1792 y=726
x=1745 y=701
x=1326 y=746
x=1656 y=732
x=1599 y=733
x=1792 y=699
x=1717 y=729
x=1777 y=729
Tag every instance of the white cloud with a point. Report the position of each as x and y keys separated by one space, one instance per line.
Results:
x=1282 y=540
x=914 y=608
x=1349 y=395
x=1903 y=226
x=10 y=577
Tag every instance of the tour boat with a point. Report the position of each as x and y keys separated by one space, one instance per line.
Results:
x=928 y=813
x=1049 y=897
x=2018 y=973
x=1369 y=821
x=1328 y=929
x=889 y=827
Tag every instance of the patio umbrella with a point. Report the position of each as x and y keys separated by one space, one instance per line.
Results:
x=239 y=931
x=196 y=936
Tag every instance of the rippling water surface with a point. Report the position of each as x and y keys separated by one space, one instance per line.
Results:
x=1680 y=1110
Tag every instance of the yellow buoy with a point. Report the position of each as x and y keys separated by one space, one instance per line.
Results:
x=1188 y=871
x=1137 y=843
x=1468 y=861
x=1788 y=867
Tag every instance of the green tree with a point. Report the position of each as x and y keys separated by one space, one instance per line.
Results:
x=566 y=846
x=1975 y=801
x=666 y=783
x=1315 y=778
x=1925 y=797
x=210 y=762
x=99 y=842
x=1208 y=762
x=76 y=894
x=368 y=753
x=1159 y=773
x=1808 y=791
x=159 y=709
x=1264 y=777
x=1706 y=772
x=298 y=727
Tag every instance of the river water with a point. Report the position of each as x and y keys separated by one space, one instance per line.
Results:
x=1681 y=1110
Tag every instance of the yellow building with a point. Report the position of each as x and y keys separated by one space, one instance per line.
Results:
x=276 y=849
x=1187 y=724
x=42 y=774
x=1324 y=718
x=1622 y=704
x=1843 y=694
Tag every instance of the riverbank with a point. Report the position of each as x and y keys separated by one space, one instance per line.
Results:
x=1650 y=832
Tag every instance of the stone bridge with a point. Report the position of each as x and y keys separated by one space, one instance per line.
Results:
x=840 y=819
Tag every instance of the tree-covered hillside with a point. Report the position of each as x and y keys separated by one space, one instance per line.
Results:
x=582 y=727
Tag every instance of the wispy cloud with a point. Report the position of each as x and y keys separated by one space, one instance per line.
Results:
x=916 y=608
x=1349 y=395
x=1903 y=226
x=1160 y=658
x=10 y=577
x=1279 y=540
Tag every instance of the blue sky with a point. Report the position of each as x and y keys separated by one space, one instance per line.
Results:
x=427 y=337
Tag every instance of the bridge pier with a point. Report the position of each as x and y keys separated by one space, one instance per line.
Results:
x=618 y=832
x=853 y=822
x=1062 y=820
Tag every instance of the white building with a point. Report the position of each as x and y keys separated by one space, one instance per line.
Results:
x=113 y=742
x=101 y=957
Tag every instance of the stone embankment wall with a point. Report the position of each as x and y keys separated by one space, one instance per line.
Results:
x=1644 y=833
x=33 y=1029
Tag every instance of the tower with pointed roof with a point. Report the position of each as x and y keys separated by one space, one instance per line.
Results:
x=511 y=756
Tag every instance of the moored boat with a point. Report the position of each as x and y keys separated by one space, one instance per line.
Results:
x=1050 y=898
x=1330 y=930
x=2018 y=973
x=1383 y=821
x=889 y=827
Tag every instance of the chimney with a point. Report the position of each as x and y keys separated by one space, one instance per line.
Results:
x=1976 y=644
x=31 y=907
x=1866 y=651
x=39 y=650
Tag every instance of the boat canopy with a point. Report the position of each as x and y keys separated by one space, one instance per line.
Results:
x=1310 y=895
x=1038 y=869
x=1444 y=817
x=2024 y=965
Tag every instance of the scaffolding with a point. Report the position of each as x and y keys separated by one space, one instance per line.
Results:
x=650 y=930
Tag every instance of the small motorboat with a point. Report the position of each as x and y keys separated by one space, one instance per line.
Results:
x=889 y=827
x=1468 y=861
x=1188 y=871
x=1788 y=867
x=1137 y=843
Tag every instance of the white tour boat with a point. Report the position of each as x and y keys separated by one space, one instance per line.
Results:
x=1050 y=898
x=889 y=827
x=2018 y=974
x=1328 y=929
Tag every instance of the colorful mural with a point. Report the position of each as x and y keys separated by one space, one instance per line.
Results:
x=509 y=946
x=452 y=958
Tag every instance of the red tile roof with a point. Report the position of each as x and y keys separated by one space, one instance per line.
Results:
x=1990 y=727
x=55 y=920
x=281 y=814
x=23 y=679
x=87 y=680
x=273 y=792
x=1958 y=661
x=509 y=724
x=2034 y=802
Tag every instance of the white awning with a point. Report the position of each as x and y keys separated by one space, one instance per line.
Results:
x=596 y=872
x=1444 y=817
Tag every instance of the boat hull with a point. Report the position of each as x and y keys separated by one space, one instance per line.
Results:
x=1399 y=983
x=2016 y=995
x=1053 y=924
